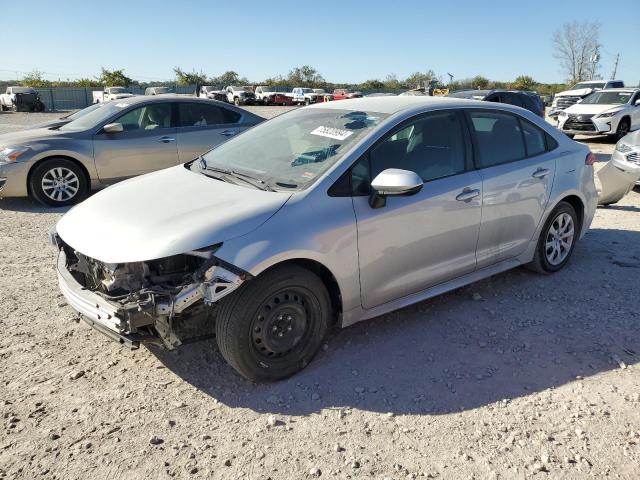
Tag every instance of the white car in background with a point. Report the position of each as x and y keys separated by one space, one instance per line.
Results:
x=563 y=100
x=606 y=112
x=627 y=153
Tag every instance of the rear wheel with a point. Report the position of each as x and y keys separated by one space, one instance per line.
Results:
x=236 y=101
x=274 y=325
x=624 y=127
x=557 y=240
x=307 y=101
x=58 y=182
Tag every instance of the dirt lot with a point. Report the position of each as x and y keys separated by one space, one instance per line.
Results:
x=518 y=376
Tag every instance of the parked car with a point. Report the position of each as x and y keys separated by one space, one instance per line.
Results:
x=343 y=94
x=306 y=96
x=267 y=95
x=213 y=93
x=326 y=96
x=622 y=173
x=21 y=99
x=328 y=214
x=66 y=118
x=119 y=140
x=240 y=95
x=528 y=100
x=158 y=90
x=567 y=98
x=111 y=93
x=604 y=112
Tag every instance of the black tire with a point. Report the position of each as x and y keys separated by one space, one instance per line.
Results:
x=76 y=181
x=273 y=326
x=307 y=101
x=541 y=263
x=236 y=101
x=570 y=135
x=624 y=127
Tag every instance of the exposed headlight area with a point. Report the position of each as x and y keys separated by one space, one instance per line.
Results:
x=162 y=299
x=12 y=154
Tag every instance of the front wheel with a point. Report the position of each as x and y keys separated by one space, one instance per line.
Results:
x=58 y=182
x=557 y=240
x=236 y=101
x=307 y=101
x=274 y=325
x=624 y=127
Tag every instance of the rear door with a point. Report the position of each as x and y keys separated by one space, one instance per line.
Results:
x=202 y=126
x=148 y=143
x=517 y=172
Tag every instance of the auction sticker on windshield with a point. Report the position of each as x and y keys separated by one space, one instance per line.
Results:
x=330 y=132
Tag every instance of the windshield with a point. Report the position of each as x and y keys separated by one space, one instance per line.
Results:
x=581 y=85
x=291 y=151
x=307 y=90
x=162 y=90
x=473 y=94
x=84 y=111
x=319 y=90
x=607 y=98
x=117 y=90
x=94 y=117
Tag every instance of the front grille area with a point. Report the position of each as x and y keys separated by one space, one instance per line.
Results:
x=634 y=157
x=567 y=101
x=582 y=123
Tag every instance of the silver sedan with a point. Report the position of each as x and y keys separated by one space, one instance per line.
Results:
x=121 y=139
x=329 y=214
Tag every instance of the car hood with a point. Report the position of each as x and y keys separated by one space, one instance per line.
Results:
x=32 y=137
x=579 y=108
x=575 y=93
x=165 y=213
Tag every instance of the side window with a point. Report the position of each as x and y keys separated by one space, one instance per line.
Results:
x=498 y=136
x=533 y=139
x=433 y=147
x=513 y=99
x=148 y=117
x=201 y=115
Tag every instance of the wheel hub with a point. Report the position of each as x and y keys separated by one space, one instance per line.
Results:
x=280 y=325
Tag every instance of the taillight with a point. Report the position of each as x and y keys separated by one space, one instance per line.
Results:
x=590 y=160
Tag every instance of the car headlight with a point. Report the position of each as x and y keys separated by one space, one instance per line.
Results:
x=11 y=154
x=623 y=147
x=563 y=114
x=607 y=114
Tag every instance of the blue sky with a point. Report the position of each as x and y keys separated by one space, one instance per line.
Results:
x=346 y=41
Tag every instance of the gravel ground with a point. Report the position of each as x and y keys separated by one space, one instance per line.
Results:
x=518 y=376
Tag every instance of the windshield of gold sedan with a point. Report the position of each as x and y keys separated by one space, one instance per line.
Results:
x=95 y=117
x=291 y=151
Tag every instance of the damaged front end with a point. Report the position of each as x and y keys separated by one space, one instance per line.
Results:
x=164 y=301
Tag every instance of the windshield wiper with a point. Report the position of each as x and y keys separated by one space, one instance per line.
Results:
x=253 y=181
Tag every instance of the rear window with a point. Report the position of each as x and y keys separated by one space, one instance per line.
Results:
x=499 y=138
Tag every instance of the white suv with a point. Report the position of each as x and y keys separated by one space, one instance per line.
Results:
x=606 y=112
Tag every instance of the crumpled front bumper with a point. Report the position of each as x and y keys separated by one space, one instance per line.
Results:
x=99 y=313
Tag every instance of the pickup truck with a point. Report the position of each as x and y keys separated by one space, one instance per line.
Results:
x=564 y=100
x=21 y=99
x=268 y=96
x=306 y=96
x=240 y=95
x=111 y=93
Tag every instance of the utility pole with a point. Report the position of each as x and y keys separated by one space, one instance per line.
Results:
x=615 y=67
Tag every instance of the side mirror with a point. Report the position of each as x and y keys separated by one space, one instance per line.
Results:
x=637 y=104
x=393 y=181
x=113 y=128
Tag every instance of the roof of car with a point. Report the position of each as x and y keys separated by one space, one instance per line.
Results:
x=391 y=105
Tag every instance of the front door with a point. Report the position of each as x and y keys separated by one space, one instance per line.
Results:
x=517 y=173
x=148 y=143
x=418 y=241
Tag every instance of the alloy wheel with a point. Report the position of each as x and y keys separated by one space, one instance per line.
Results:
x=60 y=184
x=559 y=239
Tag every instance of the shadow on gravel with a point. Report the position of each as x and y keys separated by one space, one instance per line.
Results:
x=28 y=205
x=525 y=333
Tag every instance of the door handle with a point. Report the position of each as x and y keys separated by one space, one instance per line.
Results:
x=228 y=133
x=541 y=173
x=166 y=139
x=467 y=194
